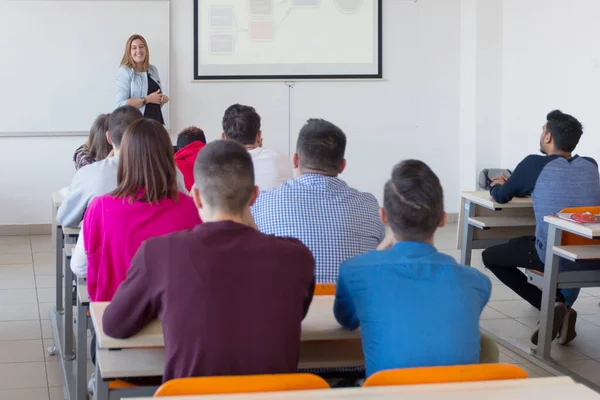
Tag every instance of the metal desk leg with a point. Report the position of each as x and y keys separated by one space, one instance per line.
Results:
x=59 y=268
x=548 y=293
x=101 y=392
x=81 y=352
x=467 y=234
x=68 y=300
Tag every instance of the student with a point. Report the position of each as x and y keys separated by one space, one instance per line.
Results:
x=96 y=147
x=335 y=221
x=230 y=299
x=189 y=142
x=145 y=204
x=416 y=306
x=556 y=180
x=242 y=124
x=101 y=177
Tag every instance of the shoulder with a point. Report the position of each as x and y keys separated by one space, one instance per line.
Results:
x=535 y=160
x=374 y=257
x=291 y=249
x=474 y=278
x=153 y=69
x=590 y=159
x=124 y=73
x=365 y=197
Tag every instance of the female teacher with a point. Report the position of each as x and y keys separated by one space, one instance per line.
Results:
x=138 y=84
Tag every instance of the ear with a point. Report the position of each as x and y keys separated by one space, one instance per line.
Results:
x=196 y=196
x=108 y=138
x=254 y=196
x=259 y=138
x=223 y=136
x=444 y=220
x=548 y=138
x=296 y=160
x=383 y=216
x=342 y=166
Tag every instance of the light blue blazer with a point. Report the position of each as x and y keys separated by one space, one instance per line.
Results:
x=134 y=85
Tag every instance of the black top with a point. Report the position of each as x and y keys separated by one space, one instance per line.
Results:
x=153 y=110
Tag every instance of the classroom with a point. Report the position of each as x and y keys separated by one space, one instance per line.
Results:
x=299 y=199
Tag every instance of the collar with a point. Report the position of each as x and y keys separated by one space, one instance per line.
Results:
x=318 y=180
x=414 y=249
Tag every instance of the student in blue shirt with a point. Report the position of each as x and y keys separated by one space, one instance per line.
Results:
x=415 y=306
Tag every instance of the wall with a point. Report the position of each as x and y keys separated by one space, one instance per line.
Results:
x=550 y=61
x=414 y=113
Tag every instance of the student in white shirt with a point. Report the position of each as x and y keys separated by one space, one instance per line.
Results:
x=242 y=124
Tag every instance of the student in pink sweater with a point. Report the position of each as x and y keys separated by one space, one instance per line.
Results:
x=145 y=204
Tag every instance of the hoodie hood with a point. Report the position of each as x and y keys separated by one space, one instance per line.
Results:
x=189 y=152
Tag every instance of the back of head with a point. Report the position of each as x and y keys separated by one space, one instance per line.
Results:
x=189 y=135
x=146 y=164
x=413 y=200
x=241 y=123
x=224 y=176
x=119 y=120
x=566 y=130
x=321 y=147
x=99 y=146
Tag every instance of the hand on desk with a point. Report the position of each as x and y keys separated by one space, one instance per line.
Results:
x=499 y=180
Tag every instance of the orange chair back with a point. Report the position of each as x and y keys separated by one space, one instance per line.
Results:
x=240 y=384
x=449 y=374
x=324 y=289
x=569 y=239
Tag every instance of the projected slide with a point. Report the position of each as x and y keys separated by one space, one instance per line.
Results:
x=287 y=39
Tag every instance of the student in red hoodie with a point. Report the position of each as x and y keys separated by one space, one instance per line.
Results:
x=189 y=142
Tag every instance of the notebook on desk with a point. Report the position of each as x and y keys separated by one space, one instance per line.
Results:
x=580 y=218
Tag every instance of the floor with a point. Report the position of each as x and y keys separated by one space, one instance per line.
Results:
x=27 y=372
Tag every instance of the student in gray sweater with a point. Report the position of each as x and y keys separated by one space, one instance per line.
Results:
x=556 y=180
x=100 y=178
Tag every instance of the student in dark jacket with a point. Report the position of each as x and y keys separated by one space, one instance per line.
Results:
x=189 y=142
x=557 y=179
x=230 y=299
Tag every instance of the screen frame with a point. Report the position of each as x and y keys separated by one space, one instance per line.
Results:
x=378 y=75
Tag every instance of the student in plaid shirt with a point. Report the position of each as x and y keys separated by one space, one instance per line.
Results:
x=333 y=220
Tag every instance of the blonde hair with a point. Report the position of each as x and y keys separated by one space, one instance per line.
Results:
x=128 y=61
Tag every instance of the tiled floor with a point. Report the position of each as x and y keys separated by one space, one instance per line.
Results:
x=27 y=372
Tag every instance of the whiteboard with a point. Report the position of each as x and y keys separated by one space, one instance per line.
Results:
x=60 y=59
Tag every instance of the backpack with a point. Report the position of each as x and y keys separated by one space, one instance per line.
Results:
x=487 y=174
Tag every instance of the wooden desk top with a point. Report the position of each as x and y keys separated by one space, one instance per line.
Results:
x=589 y=230
x=534 y=388
x=319 y=324
x=483 y=199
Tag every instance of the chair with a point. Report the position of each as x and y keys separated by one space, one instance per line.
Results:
x=446 y=374
x=324 y=289
x=571 y=279
x=240 y=384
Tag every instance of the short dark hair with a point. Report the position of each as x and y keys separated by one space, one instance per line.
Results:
x=413 y=200
x=119 y=120
x=566 y=130
x=146 y=164
x=321 y=146
x=241 y=123
x=224 y=175
x=189 y=135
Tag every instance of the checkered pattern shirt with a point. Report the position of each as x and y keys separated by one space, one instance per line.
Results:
x=334 y=221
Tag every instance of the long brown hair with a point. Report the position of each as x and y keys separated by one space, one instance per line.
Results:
x=146 y=164
x=97 y=142
x=128 y=61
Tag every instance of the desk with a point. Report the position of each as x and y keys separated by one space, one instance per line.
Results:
x=318 y=325
x=484 y=223
x=83 y=302
x=324 y=345
x=550 y=279
x=557 y=388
